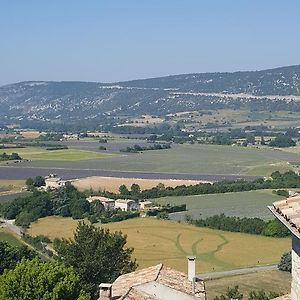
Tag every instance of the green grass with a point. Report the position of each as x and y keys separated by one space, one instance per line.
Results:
x=35 y=153
x=9 y=238
x=241 y=204
x=156 y=241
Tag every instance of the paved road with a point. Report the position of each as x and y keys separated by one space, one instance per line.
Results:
x=236 y=272
x=23 y=172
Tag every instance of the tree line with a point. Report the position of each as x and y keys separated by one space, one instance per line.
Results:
x=273 y=228
x=277 y=180
x=137 y=148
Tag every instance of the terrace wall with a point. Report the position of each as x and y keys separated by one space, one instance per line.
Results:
x=295 y=290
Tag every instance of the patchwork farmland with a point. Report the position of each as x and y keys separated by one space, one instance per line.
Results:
x=194 y=162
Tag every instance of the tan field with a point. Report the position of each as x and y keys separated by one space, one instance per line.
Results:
x=274 y=280
x=13 y=185
x=155 y=241
x=112 y=184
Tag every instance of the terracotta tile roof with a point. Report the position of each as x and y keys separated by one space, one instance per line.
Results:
x=123 y=283
x=285 y=297
x=289 y=210
x=130 y=286
x=135 y=294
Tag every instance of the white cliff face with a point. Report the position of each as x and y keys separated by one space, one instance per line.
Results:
x=295 y=289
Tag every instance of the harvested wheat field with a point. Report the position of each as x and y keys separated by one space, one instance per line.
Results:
x=273 y=280
x=155 y=241
x=112 y=184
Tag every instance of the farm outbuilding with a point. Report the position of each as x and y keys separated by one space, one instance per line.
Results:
x=54 y=182
x=107 y=202
x=144 y=205
x=126 y=204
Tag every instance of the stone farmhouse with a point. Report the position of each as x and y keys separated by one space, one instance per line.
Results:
x=288 y=212
x=107 y=202
x=54 y=182
x=122 y=204
x=144 y=205
x=156 y=283
x=126 y=204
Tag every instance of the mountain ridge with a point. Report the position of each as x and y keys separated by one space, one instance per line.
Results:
x=156 y=77
x=277 y=88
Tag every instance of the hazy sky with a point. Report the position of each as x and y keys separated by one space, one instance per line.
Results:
x=98 y=40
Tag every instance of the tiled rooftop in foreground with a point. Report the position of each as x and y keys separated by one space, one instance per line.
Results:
x=155 y=282
x=288 y=212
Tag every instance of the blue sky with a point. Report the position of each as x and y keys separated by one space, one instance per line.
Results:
x=111 y=40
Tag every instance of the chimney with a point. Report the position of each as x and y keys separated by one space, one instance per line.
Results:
x=191 y=267
x=105 y=291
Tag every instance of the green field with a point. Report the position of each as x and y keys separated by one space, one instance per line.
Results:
x=192 y=159
x=11 y=239
x=36 y=153
x=241 y=204
x=157 y=241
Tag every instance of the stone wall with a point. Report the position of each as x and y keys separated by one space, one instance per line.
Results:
x=295 y=291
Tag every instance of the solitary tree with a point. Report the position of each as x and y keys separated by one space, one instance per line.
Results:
x=123 y=190
x=135 y=189
x=285 y=263
x=39 y=181
x=96 y=254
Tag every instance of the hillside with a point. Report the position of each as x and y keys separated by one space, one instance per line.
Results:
x=276 y=89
